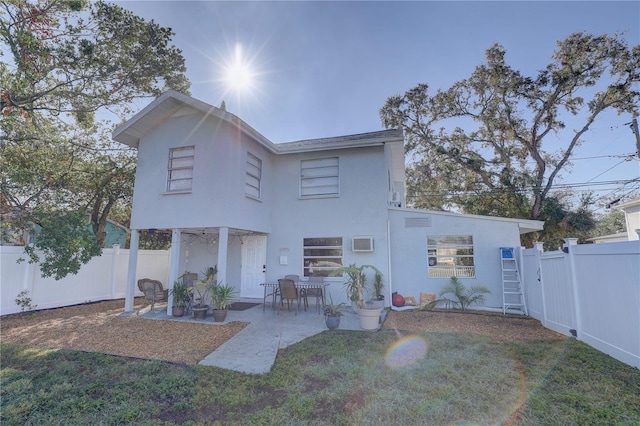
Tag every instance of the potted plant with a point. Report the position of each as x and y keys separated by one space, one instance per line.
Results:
x=332 y=314
x=222 y=296
x=203 y=291
x=378 y=298
x=180 y=293
x=369 y=315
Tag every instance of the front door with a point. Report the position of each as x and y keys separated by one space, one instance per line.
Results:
x=254 y=264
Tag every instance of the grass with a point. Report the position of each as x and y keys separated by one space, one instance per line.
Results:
x=335 y=378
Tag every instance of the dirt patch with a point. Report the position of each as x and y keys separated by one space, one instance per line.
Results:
x=97 y=327
x=502 y=328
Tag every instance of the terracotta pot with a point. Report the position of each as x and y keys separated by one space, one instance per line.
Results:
x=177 y=311
x=219 y=315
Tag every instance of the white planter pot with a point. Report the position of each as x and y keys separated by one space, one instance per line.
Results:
x=369 y=318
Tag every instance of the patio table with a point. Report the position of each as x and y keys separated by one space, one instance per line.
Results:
x=300 y=285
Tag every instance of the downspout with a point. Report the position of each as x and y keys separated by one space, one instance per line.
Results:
x=389 y=256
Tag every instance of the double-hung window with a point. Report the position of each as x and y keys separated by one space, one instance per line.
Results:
x=254 y=176
x=450 y=256
x=180 y=176
x=321 y=256
x=319 y=176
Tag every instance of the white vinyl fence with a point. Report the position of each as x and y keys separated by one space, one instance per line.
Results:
x=593 y=291
x=103 y=278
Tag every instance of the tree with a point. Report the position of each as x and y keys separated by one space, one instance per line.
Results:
x=484 y=146
x=610 y=223
x=73 y=68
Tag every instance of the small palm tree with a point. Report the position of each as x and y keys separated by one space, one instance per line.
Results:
x=462 y=297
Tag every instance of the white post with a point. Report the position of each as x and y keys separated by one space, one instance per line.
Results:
x=174 y=264
x=114 y=269
x=223 y=247
x=131 y=271
x=569 y=244
x=538 y=254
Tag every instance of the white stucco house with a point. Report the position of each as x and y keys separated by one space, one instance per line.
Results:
x=261 y=210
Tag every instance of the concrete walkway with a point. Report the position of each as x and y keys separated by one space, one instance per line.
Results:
x=254 y=349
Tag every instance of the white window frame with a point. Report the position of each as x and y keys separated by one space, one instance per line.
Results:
x=253 y=179
x=450 y=256
x=320 y=177
x=321 y=255
x=180 y=169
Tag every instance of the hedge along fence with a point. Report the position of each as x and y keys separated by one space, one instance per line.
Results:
x=103 y=278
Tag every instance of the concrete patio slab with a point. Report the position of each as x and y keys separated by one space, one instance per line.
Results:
x=254 y=349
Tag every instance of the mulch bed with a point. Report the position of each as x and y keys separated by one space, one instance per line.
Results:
x=98 y=327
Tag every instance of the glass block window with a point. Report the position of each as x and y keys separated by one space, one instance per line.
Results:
x=450 y=256
x=319 y=177
x=180 y=176
x=254 y=176
x=321 y=256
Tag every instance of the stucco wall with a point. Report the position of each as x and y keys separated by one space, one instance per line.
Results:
x=218 y=194
x=409 y=251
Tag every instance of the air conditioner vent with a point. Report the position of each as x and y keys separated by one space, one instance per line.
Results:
x=417 y=222
x=362 y=244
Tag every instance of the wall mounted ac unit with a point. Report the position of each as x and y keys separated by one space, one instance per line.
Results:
x=362 y=244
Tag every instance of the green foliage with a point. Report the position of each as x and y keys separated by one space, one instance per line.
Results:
x=356 y=283
x=24 y=301
x=488 y=144
x=462 y=297
x=63 y=245
x=222 y=295
x=180 y=293
x=67 y=61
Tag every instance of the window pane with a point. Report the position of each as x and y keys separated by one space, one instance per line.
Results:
x=180 y=168
x=319 y=176
x=450 y=256
x=321 y=256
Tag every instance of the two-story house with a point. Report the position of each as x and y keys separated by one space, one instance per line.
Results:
x=260 y=210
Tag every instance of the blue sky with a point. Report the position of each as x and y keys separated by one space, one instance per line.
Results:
x=326 y=68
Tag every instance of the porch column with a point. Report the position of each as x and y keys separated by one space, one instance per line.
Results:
x=223 y=247
x=131 y=272
x=174 y=264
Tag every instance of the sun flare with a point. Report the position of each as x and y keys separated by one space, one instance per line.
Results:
x=238 y=74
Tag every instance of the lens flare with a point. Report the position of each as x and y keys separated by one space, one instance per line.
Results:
x=406 y=351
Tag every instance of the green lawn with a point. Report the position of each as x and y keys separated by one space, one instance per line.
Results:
x=335 y=378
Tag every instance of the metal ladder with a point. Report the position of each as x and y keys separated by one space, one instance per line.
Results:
x=512 y=294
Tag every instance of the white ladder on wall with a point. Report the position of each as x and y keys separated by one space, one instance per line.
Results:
x=512 y=294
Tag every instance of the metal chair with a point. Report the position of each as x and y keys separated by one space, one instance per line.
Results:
x=152 y=290
x=317 y=292
x=288 y=291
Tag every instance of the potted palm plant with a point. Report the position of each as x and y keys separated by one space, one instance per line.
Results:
x=180 y=293
x=222 y=296
x=378 y=298
x=369 y=315
x=332 y=314
x=203 y=291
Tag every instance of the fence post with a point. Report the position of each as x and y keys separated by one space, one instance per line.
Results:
x=539 y=246
x=114 y=269
x=569 y=243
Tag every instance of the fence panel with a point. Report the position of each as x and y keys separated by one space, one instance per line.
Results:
x=103 y=278
x=558 y=297
x=608 y=293
x=532 y=283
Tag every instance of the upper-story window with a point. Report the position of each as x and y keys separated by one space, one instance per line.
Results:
x=180 y=176
x=254 y=176
x=450 y=256
x=319 y=177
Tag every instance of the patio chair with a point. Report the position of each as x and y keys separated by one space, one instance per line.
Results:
x=317 y=292
x=288 y=291
x=152 y=290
